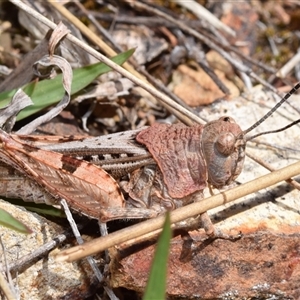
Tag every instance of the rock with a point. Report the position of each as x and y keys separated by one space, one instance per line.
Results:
x=45 y=278
x=261 y=265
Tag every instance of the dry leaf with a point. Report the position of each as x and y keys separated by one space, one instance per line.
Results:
x=196 y=88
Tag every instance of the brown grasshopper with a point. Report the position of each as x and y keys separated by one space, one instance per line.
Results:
x=169 y=166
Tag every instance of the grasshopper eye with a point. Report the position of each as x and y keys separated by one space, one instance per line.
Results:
x=227 y=119
x=225 y=143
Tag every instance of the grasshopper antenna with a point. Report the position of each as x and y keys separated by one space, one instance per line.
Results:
x=284 y=99
x=273 y=131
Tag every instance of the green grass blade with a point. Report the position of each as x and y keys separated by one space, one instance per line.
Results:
x=48 y=92
x=157 y=282
x=40 y=208
x=9 y=221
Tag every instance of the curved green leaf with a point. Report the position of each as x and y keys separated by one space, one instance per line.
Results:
x=9 y=221
x=48 y=92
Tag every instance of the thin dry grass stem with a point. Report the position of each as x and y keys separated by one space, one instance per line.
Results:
x=272 y=146
x=179 y=214
x=98 y=26
x=79 y=239
x=92 y=36
x=202 y=13
x=4 y=286
x=290 y=181
x=285 y=70
x=192 y=224
x=166 y=101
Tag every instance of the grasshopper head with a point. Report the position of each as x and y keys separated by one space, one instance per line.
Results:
x=223 y=144
x=223 y=147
